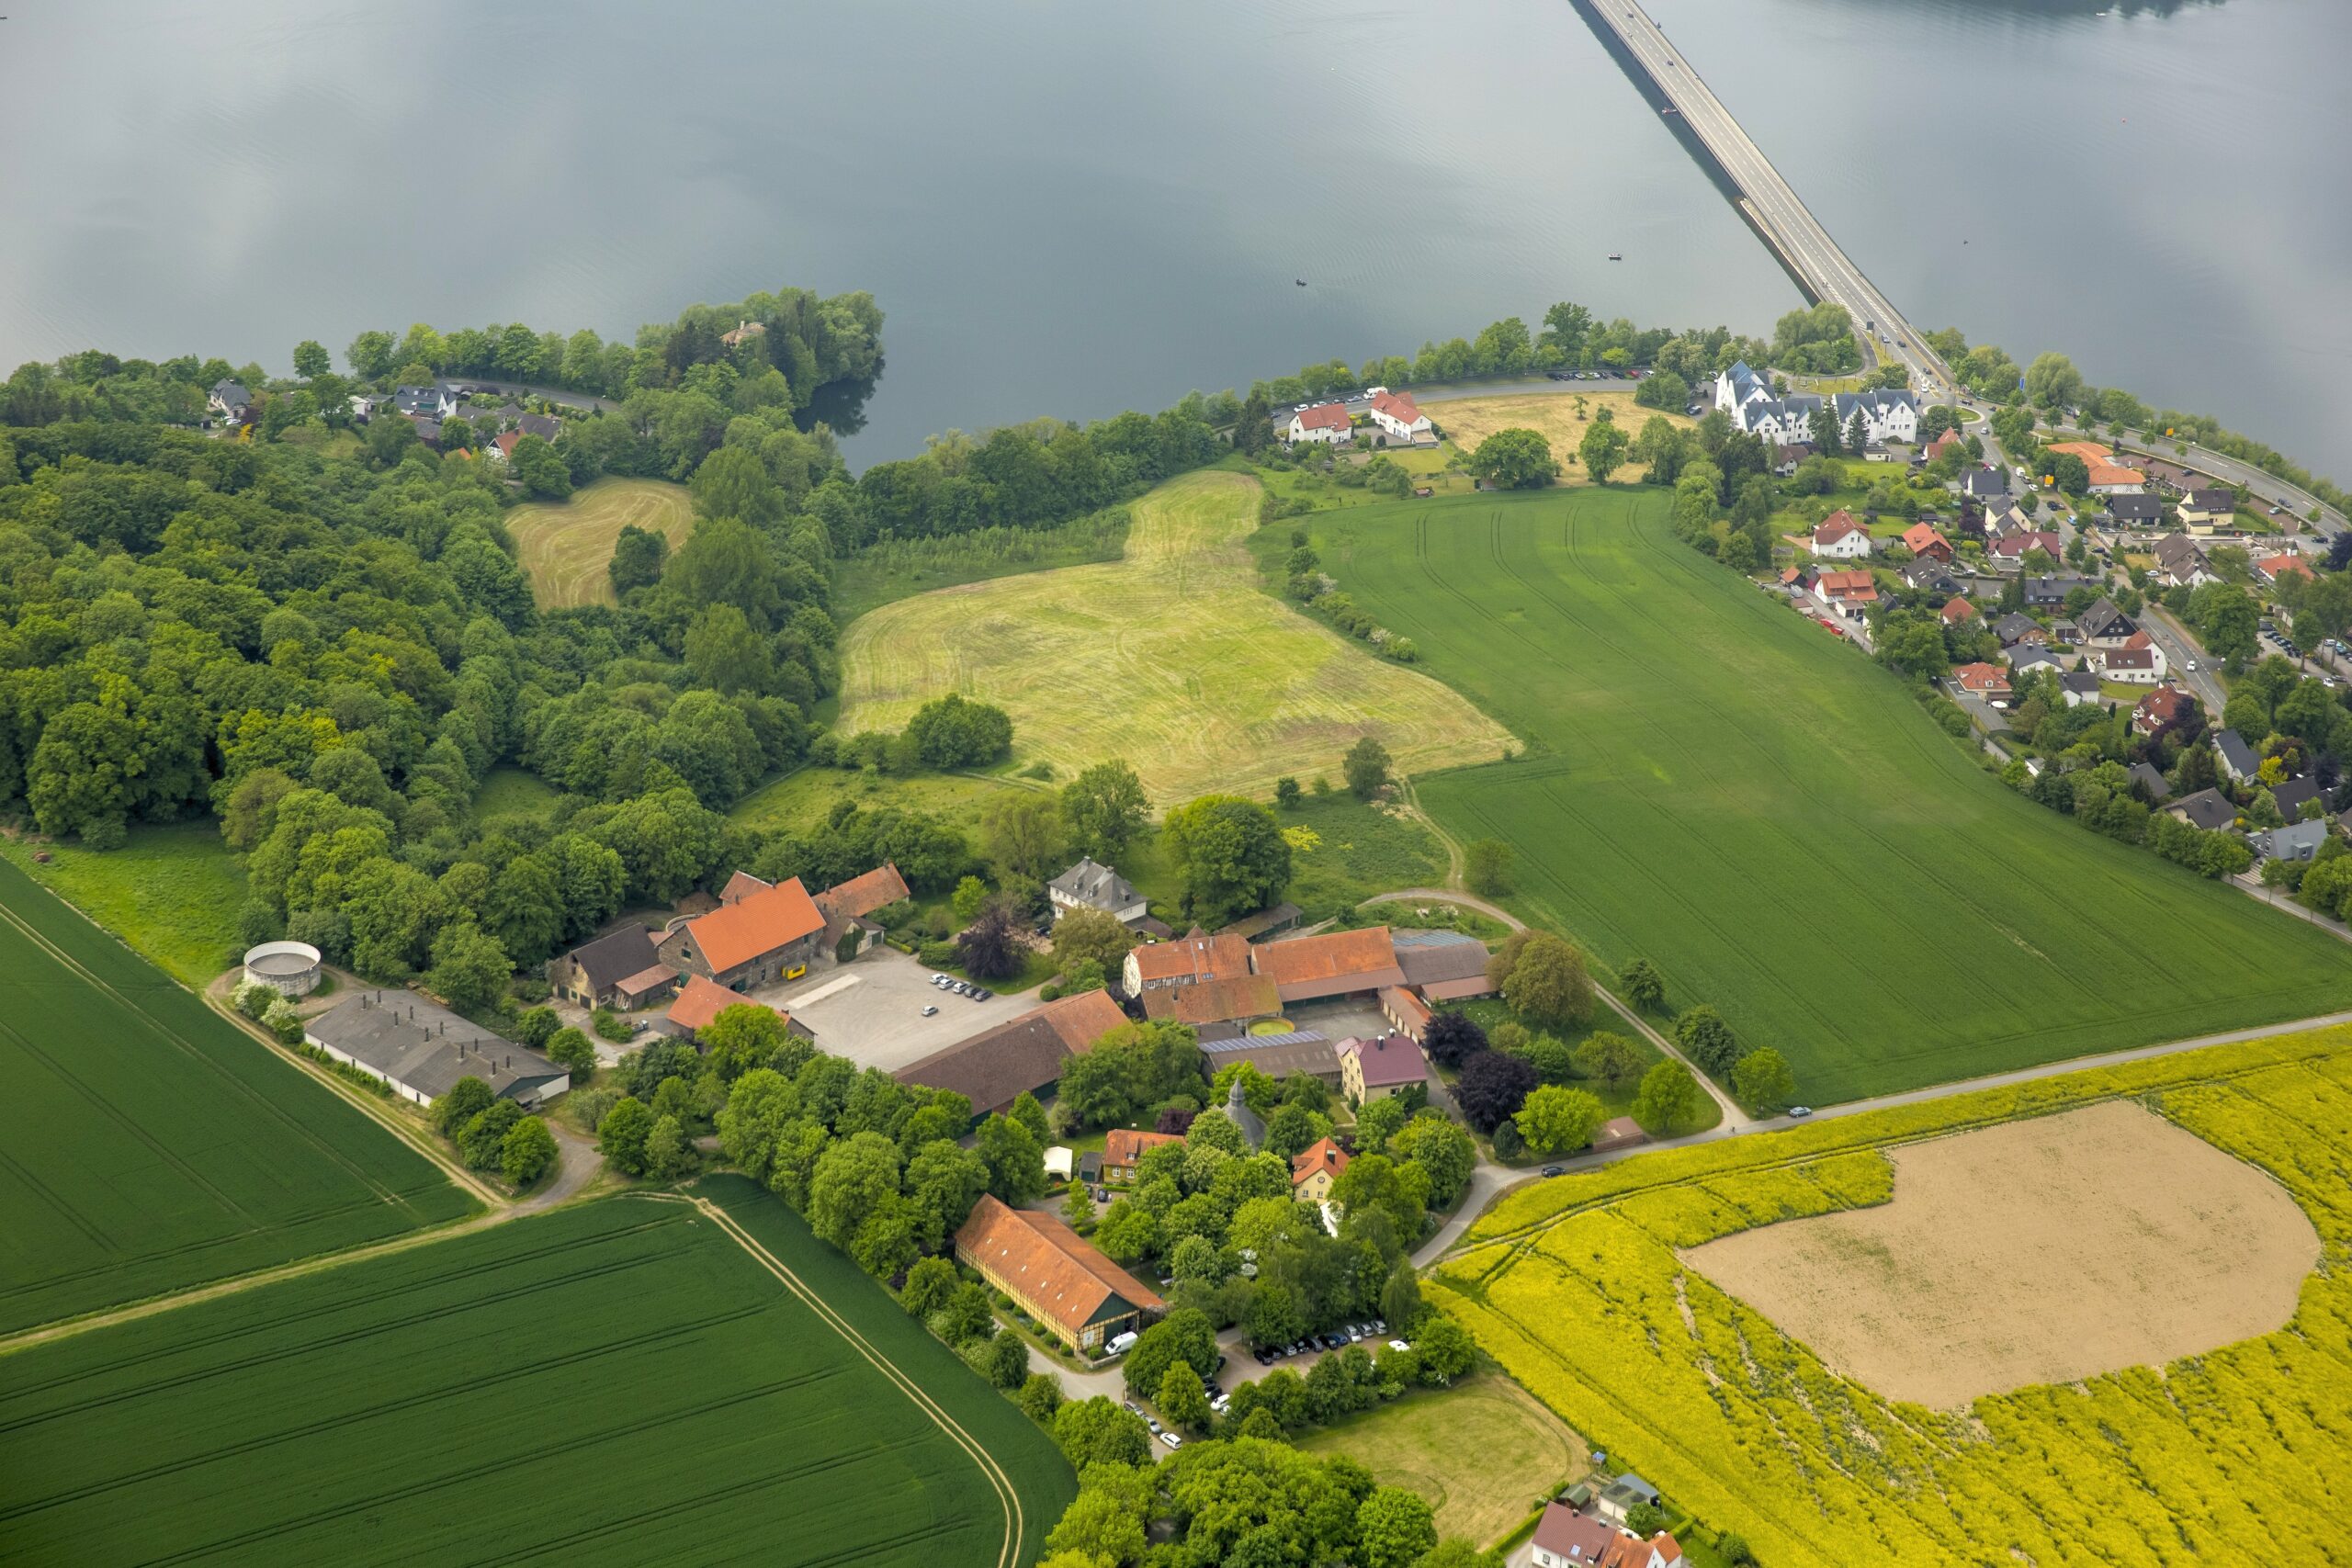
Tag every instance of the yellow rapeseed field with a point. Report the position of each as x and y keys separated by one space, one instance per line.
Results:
x=1172 y=659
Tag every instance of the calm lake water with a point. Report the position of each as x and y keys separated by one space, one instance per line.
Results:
x=1072 y=208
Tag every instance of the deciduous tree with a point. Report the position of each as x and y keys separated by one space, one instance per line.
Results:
x=1554 y=1120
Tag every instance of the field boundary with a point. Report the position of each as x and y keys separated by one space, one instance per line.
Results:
x=1008 y=1495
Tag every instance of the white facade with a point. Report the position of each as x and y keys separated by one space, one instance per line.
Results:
x=1399 y=416
x=1854 y=544
x=1886 y=415
x=1316 y=424
x=1738 y=387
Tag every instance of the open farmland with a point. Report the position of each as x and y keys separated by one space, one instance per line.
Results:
x=1580 y=1288
x=146 y=1144
x=1561 y=418
x=1169 y=658
x=1718 y=785
x=622 y=1381
x=566 y=549
x=173 y=893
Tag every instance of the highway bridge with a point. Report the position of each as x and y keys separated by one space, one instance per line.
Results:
x=1771 y=209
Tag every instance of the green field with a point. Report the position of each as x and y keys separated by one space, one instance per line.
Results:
x=510 y=791
x=615 y=1383
x=1718 y=787
x=147 y=1145
x=173 y=893
x=567 y=548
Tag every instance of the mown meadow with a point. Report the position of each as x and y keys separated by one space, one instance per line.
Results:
x=1574 y=1286
x=1714 y=784
x=147 y=1144
x=615 y=1383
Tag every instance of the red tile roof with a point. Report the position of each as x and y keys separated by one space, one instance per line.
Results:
x=743 y=884
x=1836 y=526
x=1214 y=1001
x=1193 y=958
x=1037 y=1257
x=1982 y=678
x=861 y=895
x=2167 y=704
x=1957 y=610
x=700 y=1000
x=1399 y=406
x=756 y=922
x=2272 y=566
x=1324 y=416
x=1920 y=537
x=1573 y=1537
x=1321 y=1155
x=1332 y=965
x=1122 y=1146
x=1856 y=585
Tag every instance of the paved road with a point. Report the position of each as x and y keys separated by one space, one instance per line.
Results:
x=2181 y=649
x=1827 y=270
x=2257 y=484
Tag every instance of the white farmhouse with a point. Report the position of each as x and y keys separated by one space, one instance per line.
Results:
x=1841 y=537
x=1326 y=423
x=1399 y=416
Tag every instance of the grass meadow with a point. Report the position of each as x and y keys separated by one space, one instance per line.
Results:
x=1584 y=1288
x=566 y=549
x=173 y=893
x=1562 y=418
x=147 y=1145
x=1714 y=785
x=1169 y=658
x=618 y=1381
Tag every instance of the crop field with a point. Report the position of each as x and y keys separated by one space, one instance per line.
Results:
x=621 y=1381
x=173 y=893
x=1583 y=1289
x=2168 y=1247
x=566 y=549
x=1561 y=418
x=1169 y=658
x=1715 y=784
x=147 y=1145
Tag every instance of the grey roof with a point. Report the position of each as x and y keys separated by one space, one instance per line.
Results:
x=1245 y=1042
x=1388 y=1059
x=1797 y=406
x=2103 y=615
x=2027 y=656
x=2207 y=809
x=1745 y=383
x=2013 y=626
x=2177 y=551
x=1878 y=401
x=2298 y=840
x=2135 y=508
x=1096 y=886
x=428 y=429
x=540 y=425
x=422 y=1046
x=2291 y=794
x=2081 y=680
x=1252 y=1125
x=233 y=393
x=2236 y=753
x=1427 y=963
x=1984 y=481
x=2147 y=776
x=615 y=955
x=2212 y=500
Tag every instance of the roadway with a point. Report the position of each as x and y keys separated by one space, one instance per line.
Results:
x=1826 y=270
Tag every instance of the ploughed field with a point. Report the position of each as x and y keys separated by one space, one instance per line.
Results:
x=1169 y=658
x=1718 y=785
x=1662 y=1307
x=147 y=1144
x=622 y=1381
x=566 y=549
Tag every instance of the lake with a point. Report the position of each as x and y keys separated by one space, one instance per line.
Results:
x=1069 y=209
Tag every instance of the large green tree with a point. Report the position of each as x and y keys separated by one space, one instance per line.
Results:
x=1230 y=854
x=1514 y=459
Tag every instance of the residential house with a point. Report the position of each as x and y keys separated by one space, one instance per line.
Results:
x=1622 y=1495
x=422 y=1049
x=228 y=398
x=1950 y=438
x=1379 y=1067
x=1124 y=1148
x=619 y=969
x=745 y=330
x=1054 y=1275
x=2180 y=564
x=1566 y=1539
x=2163 y=711
x=1984 y=485
x=2271 y=568
x=2012 y=546
x=2104 y=626
x=1335 y=963
x=2049 y=593
x=2293 y=795
x=1193 y=959
x=1088 y=886
x=2107 y=477
x=1926 y=574
x=762 y=935
x=2136 y=512
x=847 y=905
x=1847 y=593
x=1841 y=537
x=2151 y=784
x=699 y=1001
x=1399 y=418
x=2131 y=666
x=2205 y=512
x=1956 y=611
x=1326 y=423
x=2296 y=841
x=1925 y=539
x=2207 y=809
x=2027 y=656
x=1788 y=455
x=502 y=447
x=435 y=402
x=2237 y=758
x=2078 y=686
x=1314 y=1168
x=1738 y=387
x=1888 y=414
x=1021 y=1055
x=2017 y=627
x=1299 y=1051
x=1989 y=682
x=1782 y=421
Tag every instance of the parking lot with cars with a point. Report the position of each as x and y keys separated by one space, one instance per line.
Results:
x=882 y=1010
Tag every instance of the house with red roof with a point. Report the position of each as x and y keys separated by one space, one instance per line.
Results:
x=760 y=934
x=1398 y=417
x=1944 y=443
x=1841 y=537
x=2162 y=711
x=700 y=1000
x=2271 y=568
x=1326 y=423
x=1314 y=1168
x=1956 y=610
x=1989 y=682
x=1926 y=539
x=2012 y=546
x=1056 y=1276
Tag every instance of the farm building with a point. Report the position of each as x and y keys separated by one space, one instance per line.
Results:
x=421 y=1048
x=1091 y=886
x=1278 y=1056
x=1055 y=1276
x=700 y=1000
x=1021 y=1055
x=290 y=968
x=618 y=969
x=1314 y=1168
x=1123 y=1148
x=1244 y=998
x=1335 y=963
x=846 y=906
x=1374 y=1069
x=759 y=934
x=1266 y=924
x=1193 y=959
x=1444 y=966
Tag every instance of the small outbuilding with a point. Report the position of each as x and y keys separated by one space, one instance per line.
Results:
x=290 y=968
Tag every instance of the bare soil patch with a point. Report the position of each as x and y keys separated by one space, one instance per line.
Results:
x=2047 y=1250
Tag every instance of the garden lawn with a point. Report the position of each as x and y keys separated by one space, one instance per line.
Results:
x=1170 y=660
x=173 y=893
x=568 y=547
x=616 y=1382
x=147 y=1144
x=1777 y=824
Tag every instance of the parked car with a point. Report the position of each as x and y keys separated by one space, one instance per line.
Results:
x=938 y=980
x=982 y=994
x=1380 y=1326
x=1398 y=1345
x=1172 y=1440
x=930 y=1010
x=1153 y=1423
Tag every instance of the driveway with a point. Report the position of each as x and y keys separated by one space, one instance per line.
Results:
x=870 y=1009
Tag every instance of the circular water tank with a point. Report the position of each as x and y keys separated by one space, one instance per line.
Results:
x=289 y=967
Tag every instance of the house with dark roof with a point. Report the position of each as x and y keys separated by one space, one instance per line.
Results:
x=229 y=398
x=422 y=1049
x=759 y=934
x=2104 y=626
x=1267 y=923
x=2207 y=809
x=2293 y=795
x=619 y=969
x=1021 y=1055
x=2136 y=511
x=1054 y=1275
x=1984 y=484
x=1089 y=886
x=2296 y=841
x=2151 y=784
x=2049 y=593
x=1928 y=574
x=2207 y=508
x=1379 y=1067
x=435 y=402
x=2180 y=564
x=1887 y=414
x=1780 y=421
x=2078 y=686
x=2236 y=758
